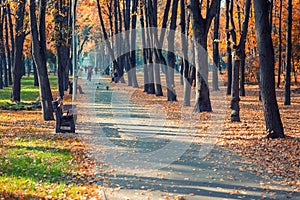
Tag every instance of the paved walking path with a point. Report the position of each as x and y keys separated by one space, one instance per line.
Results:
x=118 y=144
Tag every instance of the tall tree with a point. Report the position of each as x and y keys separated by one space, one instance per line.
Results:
x=200 y=31
x=239 y=53
x=266 y=62
x=62 y=28
x=152 y=15
x=216 y=56
x=133 y=43
x=7 y=49
x=38 y=37
x=18 y=53
x=142 y=21
x=171 y=56
x=1 y=49
x=287 y=84
x=229 y=52
x=149 y=54
x=280 y=44
x=12 y=41
x=107 y=43
x=127 y=20
x=187 y=81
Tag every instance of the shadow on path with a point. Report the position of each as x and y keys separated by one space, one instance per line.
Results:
x=219 y=175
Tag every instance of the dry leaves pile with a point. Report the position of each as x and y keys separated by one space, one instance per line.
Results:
x=279 y=158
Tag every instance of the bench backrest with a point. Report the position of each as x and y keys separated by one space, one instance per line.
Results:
x=57 y=107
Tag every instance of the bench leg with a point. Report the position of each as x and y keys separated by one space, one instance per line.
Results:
x=57 y=127
x=72 y=126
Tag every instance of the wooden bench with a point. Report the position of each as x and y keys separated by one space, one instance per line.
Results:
x=65 y=116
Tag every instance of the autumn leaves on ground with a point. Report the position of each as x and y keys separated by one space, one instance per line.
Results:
x=36 y=163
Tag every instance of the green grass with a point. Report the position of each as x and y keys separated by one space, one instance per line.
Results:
x=36 y=167
x=29 y=92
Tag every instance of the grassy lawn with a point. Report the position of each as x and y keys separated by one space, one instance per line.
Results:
x=33 y=166
x=34 y=162
x=29 y=92
x=39 y=166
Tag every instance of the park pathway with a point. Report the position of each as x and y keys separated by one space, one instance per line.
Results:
x=117 y=143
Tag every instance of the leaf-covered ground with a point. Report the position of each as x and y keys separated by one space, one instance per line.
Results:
x=37 y=163
x=274 y=161
x=279 y=158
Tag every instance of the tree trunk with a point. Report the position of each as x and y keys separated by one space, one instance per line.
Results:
x=18 y=54
x=235 y=98
x=200 y=31
x=120 y=43
x=151 y=87
x=12 y=41
x=280 y=45
x=229 y=53
x=146 y=78
x=239 y=52
x=1 y=54
x=3 y=43
x=152 y=13
x=38 y=37
x=216 y=56
x=185 y=64
x=133 y=44
x=126 y=13
x=7 y=50
x=267 y=80
x=107 y=43
x=35 y=75
x=171 y=57
x=287 y=84
x=62 y=49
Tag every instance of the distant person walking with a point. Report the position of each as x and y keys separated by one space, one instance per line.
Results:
x=90 y=72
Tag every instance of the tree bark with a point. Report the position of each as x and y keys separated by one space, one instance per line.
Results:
x=287 y=84
x=152 y=14
x=266 y=59
x=151 y=87
x=229 y=53
x=216 y=56
x=7 y=49
x=235 y=98
x=62 y=49
x=185 y=64
x=38 y=37
x=18 y=54
x=200 y=32
x=142 y=21
x=12 y=41
x=133 y=44
x=171 y=93
x=239 y=52
x=126 y=14
x=1 y=49
x=280 y=45
x=107 y=43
